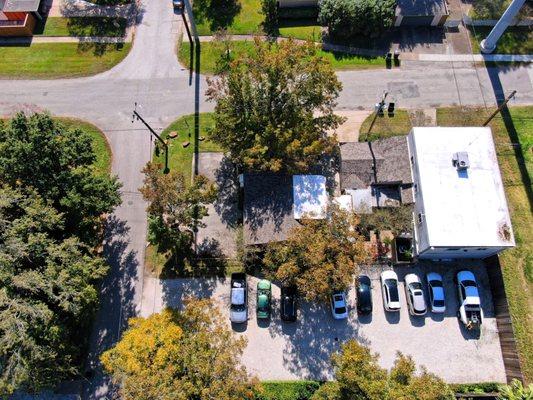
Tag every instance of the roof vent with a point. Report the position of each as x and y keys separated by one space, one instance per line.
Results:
x=460 y=160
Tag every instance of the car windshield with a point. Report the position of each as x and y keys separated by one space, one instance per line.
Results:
x=237 y=307
x=337 y=297
x=340 y=310
x=435 y=283
x=438 y=303
x=467 y=283
x=416 y=286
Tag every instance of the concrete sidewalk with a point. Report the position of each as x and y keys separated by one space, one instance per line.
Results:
x=67 y=39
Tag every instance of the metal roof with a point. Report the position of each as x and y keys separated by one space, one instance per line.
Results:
x=421 y=7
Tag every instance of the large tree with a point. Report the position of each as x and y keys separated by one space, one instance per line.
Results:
x=175 y=207
x=348 y=19
x=358 y=376
x=274 y=106
x=39 y=152
x=47 y=293
x=319 y=256
x=180 y=355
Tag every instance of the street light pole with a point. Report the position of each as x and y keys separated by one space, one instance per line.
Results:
x=377 y=109
x=500 y=107
x=165 y=145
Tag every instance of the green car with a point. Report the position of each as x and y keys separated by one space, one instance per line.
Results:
x=264 y=293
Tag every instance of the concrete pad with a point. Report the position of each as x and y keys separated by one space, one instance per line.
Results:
x=349 y=130
x=302 y=350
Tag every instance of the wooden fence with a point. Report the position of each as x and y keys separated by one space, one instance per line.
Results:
x=503 y=320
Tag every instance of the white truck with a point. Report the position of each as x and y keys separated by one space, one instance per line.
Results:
x=470 y=312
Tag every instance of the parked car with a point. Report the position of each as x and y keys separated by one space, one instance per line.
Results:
x=339 y=309
x=416 y=303
x=389 y=288
x=264 y=295
x=288 y=303
x=437 y=301
x=239 y=298
x=364 y=295
x=470 y=312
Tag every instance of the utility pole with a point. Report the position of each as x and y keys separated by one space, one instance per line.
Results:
x=183 y=10
x=165 y=145
x=488 y=45
x=500 y=107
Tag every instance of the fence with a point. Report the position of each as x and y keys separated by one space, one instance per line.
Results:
x=503 y=320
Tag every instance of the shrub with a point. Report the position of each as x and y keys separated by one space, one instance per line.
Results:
x=346 y=19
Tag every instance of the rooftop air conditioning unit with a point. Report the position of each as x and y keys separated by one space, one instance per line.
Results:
x=460 y=160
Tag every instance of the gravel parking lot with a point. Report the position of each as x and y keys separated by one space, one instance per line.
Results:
x=278 y=350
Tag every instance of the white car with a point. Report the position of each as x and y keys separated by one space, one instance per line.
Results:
x=389 y=288
x=339 y=309
x=437 y=300
x=416 y=303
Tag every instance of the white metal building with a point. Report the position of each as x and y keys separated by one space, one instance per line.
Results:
x=460 y=205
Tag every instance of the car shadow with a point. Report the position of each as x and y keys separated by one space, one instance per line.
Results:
x=365 y=318
x=264 y=322
x=417 y=321
x=392 y=317
x=240 y=327
x=437 y=317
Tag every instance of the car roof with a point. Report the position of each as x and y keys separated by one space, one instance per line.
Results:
x=237 y=296
x=418 y=300
x=438 y=293
x=262 y=300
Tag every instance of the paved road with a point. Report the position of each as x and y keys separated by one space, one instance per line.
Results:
x=151 y=76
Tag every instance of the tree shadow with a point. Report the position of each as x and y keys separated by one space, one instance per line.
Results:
x=117 y=303
x=219 y=14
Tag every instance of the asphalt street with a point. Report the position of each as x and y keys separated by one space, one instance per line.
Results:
x=151 y=76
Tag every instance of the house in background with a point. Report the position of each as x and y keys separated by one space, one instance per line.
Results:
x=376 y=174
x=18 y=17
x=274 y=204
x=460 y=205
x=408 y=12
x=421 y=13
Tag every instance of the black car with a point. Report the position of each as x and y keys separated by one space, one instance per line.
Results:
x=288 y=303
x=364 y=295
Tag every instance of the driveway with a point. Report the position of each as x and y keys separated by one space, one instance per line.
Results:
x=302 y=350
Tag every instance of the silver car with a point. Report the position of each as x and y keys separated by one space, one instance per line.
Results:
x=415 y=295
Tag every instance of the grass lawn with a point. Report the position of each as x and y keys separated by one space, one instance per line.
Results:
x=238 y=17
x=516 y=164
x=308 y=32
x=385 y=126
x=516 y=40
x=212 y=51
x=180 y=158
x=57 y=60
x=100 y=144
x=79 y=26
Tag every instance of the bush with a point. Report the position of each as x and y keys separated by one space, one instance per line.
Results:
x=483 y=387
x=289 y=390
x=346 y=19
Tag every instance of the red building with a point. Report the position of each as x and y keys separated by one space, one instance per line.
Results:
x=18 y=17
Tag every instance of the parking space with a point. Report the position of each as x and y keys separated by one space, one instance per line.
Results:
x=278 y=350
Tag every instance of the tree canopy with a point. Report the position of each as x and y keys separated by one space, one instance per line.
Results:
x=359 y=377
x=39 y=152
x=274 y=107
x=51 y=202
x=180 y=355
x=319 y=256
x=348 y=19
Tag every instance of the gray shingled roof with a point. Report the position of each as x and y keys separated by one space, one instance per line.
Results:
x=421 y=7
x=19 y=5
x=392 y=163
x=268 y=207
